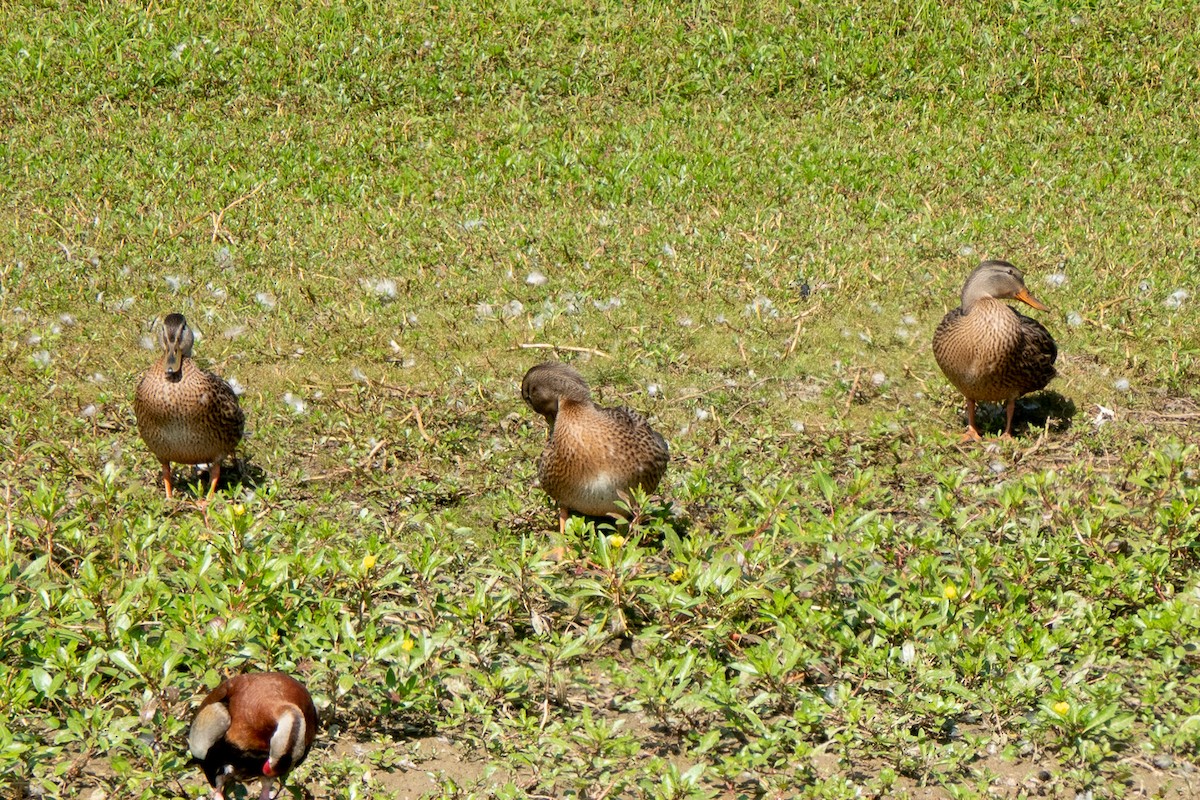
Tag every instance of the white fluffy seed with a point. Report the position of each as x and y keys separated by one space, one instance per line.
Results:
x=1176 y=299
x=297 y=404
x=380 y=287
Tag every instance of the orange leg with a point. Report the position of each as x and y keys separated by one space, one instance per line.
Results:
x=215 y=470
x=166 y=473
x=1010 y=410
x=972 y=434
x=559 y=551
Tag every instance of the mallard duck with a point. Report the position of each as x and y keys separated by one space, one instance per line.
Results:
x=593 y=456
x=184 y=414
x=259 y=725
x=989 y=351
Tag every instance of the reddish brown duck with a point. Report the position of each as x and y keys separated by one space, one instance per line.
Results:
x=989 y=351
x=252 y=726
x=594 y=456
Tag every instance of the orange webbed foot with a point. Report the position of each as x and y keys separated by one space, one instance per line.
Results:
x=971 y=435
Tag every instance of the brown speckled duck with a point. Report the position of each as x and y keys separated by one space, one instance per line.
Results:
x=989 y=351
x=184 y=414
x=594 y=455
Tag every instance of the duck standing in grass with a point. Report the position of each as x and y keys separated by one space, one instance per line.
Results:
x=594 y=456
x=184 y=414
x=989 y=351
x=258 y=725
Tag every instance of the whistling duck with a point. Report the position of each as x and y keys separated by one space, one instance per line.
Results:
x=259 y=725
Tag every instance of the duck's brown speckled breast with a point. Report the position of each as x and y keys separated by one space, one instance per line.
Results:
x=194 y=420
x=993 y=353
x=595 y=455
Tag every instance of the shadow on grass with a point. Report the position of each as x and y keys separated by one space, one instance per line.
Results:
x=1046 y=410
x=239 y=474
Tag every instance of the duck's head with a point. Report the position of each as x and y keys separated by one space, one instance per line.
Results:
x=177 y=341
x=1001 y=280
x=545 y=383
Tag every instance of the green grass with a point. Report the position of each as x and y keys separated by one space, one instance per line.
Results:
x=831 y=598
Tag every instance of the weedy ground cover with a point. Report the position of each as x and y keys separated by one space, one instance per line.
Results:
x=744 y=220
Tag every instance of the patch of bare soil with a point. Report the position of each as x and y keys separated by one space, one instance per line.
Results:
x=411 y=769
x=1027 y=778
x=416 y=768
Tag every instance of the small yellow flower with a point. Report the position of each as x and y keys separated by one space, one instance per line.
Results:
x=678 y=575
x=238 y=509
x=616 y=541
x=1061 y=708
x=407 y=645
x=368 y=562
x=949 y=591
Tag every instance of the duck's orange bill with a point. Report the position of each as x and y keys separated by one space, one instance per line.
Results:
x=1025 y=297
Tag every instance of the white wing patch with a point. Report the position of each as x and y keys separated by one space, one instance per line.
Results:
x=208 y=728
